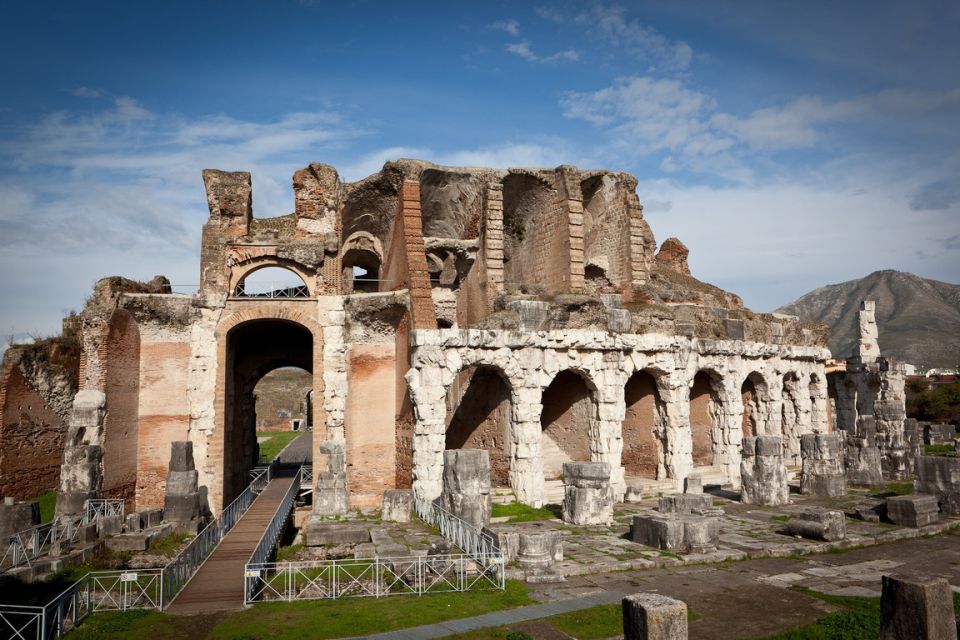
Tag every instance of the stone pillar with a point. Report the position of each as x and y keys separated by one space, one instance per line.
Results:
x=81 y=475
x=587 y=495
x=822 y=472
x=181 y=503
x=526 y=468
x=651 y=616
x=730 y=437
x=678 y=447
x=466 y=485
x=763 y=473
x=867 y=348
x=861 y=456
x=429 y=396
x=612 y=410
x=916 y=609
x=330 y=490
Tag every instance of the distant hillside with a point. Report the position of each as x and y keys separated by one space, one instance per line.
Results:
x=919 y=319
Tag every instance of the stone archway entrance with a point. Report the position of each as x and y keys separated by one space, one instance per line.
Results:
x=642 y=424
x=568 y=420
x=703 y=411
x=479 y=411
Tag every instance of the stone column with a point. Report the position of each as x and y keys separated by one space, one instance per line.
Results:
x=81 y=474
x=526 y=468
x=429 y=409
x=181 y=502
x=918 y=608
x=762 y=472
x=861 y=456
x=612 y=409
x=678 y=449
x=822 y=472
x=588 y=497
x=330 y=479
x=651 y=616
x=466 y=485
x=867 y=348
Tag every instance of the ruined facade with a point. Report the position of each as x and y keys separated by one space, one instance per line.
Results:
x=526 y=312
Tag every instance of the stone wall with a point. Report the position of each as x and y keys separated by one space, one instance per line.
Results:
x=531 y=361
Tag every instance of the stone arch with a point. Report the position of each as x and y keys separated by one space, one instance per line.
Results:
x=569 y=421
x=479 y=413
x=755 y=396
x=243 y=270
x=706 y=394
x=644 y=426
x=361 y=252
x=121 y=362
x=228 y=450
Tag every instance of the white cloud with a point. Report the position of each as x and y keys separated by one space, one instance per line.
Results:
x=522 y=49
x=86 y=92
x=611 y=25
x=511 y=27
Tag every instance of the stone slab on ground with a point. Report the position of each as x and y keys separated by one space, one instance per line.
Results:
x=914 y=510
x=653 y=616
x=318 y=531
x=920 y=608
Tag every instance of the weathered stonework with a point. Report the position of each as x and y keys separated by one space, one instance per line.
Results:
x=763 y=476
x=822 y=473
x=588 y=497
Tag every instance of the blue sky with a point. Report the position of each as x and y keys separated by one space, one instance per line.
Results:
x=789 y=145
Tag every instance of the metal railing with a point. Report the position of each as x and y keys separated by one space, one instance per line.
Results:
x=474 y=542
x=96 y=509
x=306 y=477
x=24 y=547
x=372 y=577
x=273 y=290
x=268 y=541
x=178 y=571
x=96 y=591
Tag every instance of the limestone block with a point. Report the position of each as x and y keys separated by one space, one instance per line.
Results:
x=182 y=482
x=507 y=540
x=133 y=523
x=110 y=525
x=920 y=608
x=651 y=616
x=684 y=502
x=822 y=472
x=538 y=550
x=397 y=505
x=588 y=496
x=915 y=510
x=680 y=533
x=18 y=516
x=818 y=524
x=693 y=484
x=181 y=456
x=317 y=531
x=151 y=518
x=181 y=508
x=330 y=496
x=763 y=475
x=862 y=462
x=466 y=485
x=935 y=434
x=940 y=476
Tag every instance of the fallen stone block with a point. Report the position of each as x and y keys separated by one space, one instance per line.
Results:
x=684 y=502
x=128 y=541
x=677 y=532
x=320 y=532
x=397 y=505
x=763 y=475
x=818 y=524
x=651 y=616
x=915 y=510
x=940 y=476
x=916 y=608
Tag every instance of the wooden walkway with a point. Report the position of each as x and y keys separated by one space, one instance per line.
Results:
x=218 y=585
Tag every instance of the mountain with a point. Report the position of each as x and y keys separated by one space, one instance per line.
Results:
x=918 y=319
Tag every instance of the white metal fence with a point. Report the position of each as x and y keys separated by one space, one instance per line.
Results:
x=96 y=509
x=475 y=543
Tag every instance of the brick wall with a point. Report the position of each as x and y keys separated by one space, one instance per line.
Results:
x=370 y=422
x=121 y=362
x=641 y=450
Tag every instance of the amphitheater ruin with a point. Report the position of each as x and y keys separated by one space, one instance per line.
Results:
x=526 y=312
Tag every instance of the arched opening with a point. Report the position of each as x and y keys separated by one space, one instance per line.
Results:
x=704 y=401
x=479 y=410
x=568 y=420
x=361 y=271
x=282 y=400
x=753 y=393
x=254 y=349
x=529 y=246
x=120 y=425
x=272 y=282
x=642 y=427
x=604 y=239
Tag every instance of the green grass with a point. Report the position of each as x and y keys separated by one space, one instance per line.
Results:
x=896 y=488
x=603 y=621
x=518 y=512
x=132 y=625
x=781 y=518
x=48 y=504
x=269 y=449
x=361 y=616
x=939 y=449
x=169 y=545
x=289 y=551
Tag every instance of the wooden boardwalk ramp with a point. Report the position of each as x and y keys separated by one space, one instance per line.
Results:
x=218 y=584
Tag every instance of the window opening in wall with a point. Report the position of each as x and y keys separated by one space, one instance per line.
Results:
x=361 y=271
x=272 y=282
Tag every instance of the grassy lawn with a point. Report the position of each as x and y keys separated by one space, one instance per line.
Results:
x=895 y=488
x=309 y=619
x=48 y=503
x=939 y=449
x=518 y=512
x=277 y=441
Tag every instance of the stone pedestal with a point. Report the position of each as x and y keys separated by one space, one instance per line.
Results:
x=693 y=484
x=651 y=616
x=677 y=532
x=915 y=510
x=940 y=476
x=685 y=503
x=537 y=551
x=17 y=516
x=466 y=485
x=181 y=504
x=916 y=608
x=587 y=494
x=763 y=475
x=822 y=471
x=818 y=524
x=862 y=462
x=397 y=505
x=330 y=490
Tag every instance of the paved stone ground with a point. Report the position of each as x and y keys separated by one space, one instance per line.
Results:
x=300 y=449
